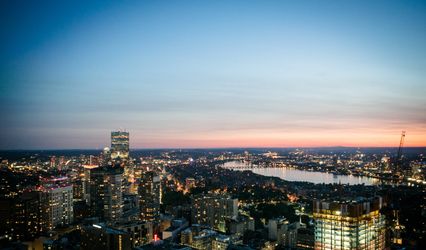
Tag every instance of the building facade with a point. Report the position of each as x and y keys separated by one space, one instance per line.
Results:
x=86 y=182
x=282 y=232
x=106 y=200
x=119 y=144
x=353 y=224
x=56 y=202
x=213 y=210
x=22 y=218
x=239 y=225
x=149 y=196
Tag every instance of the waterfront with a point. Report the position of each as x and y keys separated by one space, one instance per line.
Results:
x=292 y=174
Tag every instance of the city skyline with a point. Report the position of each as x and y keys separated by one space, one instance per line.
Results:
x=213 y=74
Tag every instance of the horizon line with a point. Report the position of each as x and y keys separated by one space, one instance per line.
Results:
x=206 y=148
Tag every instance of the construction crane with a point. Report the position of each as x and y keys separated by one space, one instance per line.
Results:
x=399 y=155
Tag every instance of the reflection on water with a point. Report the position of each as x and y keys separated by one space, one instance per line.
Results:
x=291 y=174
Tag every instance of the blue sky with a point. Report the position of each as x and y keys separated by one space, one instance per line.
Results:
x=212 y=73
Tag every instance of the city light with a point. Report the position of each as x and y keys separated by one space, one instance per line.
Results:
x=213 y=125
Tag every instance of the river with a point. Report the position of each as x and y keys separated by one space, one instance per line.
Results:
x=292 y=174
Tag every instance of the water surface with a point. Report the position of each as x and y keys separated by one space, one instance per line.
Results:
x=292 y=174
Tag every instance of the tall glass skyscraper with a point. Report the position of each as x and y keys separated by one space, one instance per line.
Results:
x=349 y=224
x=149 y=196
x=119 y=144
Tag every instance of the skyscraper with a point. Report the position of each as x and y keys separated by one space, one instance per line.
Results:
x=149 y=196
x=86 y=182
x=56 y=202
x=22 y=220
x=119 y=144
x=351 y=224
x=106 y=192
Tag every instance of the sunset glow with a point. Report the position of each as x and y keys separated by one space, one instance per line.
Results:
x=216 y=74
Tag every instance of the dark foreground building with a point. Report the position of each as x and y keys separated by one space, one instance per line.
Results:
x=100 y=237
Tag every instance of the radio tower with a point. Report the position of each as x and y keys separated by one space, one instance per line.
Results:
x=399 y=155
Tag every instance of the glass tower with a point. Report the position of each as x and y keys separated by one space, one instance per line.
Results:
x=119 y=144
x=350 y=224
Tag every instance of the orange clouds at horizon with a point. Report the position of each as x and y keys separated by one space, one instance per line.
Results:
x=308 y=139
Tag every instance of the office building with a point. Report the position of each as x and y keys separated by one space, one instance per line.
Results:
x=349 y=224
x=213 y=210
x=149 y=196
x=21 y=217
x=119 y=144
x=56 y=202
x=106 y=192
x=86 y=182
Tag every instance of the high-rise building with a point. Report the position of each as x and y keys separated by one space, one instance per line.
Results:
x=213 y=210
x=149 y=196
x=86 y=182
x=349 y=224
x=119 y=144
x=21 y=217
x=56 y=202
x=77 y=186
x=106 y=192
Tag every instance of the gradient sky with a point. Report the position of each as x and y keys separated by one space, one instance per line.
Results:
x=212 y=73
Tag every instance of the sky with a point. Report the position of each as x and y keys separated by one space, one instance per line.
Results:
x=190 y=74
